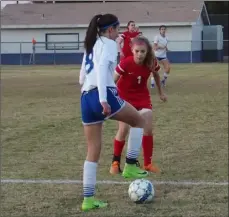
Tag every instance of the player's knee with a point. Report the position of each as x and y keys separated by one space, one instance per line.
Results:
x=138 y=122
x=148 y=131
x=121 y=134
x=167 y=68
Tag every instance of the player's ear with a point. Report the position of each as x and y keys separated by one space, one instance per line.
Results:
x=110 y=29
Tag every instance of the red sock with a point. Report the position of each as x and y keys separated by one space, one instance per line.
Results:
x=147 y=145
x=118 y=147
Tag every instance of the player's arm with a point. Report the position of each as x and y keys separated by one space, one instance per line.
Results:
x=156 y=45
x=108 y=57
x=82 y=71
x=116 y=77
x=120 y=70
x=103 y=67
x=120 y=43
x=156 y=76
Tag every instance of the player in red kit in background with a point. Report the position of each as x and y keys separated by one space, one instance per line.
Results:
x=126 y=40
x=132 y=76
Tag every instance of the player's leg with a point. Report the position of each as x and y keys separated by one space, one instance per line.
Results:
x=152 y=81
x=147 y=141
x=130 y=115
x=119 y=143
x=93 y=135
x=93 y=139
x=166 y=66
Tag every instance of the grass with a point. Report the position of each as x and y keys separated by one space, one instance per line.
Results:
x=42 y=138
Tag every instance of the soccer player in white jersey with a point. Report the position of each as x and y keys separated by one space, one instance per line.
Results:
x=100 y=101
x=160 y=49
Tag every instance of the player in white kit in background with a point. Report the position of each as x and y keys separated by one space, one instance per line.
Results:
x=100 y=101
x=160 y=49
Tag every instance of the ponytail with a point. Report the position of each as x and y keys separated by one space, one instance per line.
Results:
x=98 y=25
x=91 y=34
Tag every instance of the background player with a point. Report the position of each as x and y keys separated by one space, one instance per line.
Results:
x=131 y=76
x=100 y=101
x=160 y=48
x=126 y=37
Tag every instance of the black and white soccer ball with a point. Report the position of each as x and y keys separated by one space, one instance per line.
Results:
x=141 y=191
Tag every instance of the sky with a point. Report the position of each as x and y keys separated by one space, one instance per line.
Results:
x=4 y=3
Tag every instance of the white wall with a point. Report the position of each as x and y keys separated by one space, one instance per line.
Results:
x=26 y=36
x=197 y=35
x=214 y=35
x=179 y=38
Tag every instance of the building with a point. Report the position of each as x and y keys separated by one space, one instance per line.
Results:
x=59 y=29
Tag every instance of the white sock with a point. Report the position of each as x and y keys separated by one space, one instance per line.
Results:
x=166 y=75
x=134 y=143
x=152 y=81
x=89 y=178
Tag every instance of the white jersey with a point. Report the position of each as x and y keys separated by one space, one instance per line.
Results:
x=161 y=41
x=98 y=68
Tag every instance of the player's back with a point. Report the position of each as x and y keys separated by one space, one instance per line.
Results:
x=104 y=50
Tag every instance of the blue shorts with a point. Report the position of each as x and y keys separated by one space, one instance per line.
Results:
x=91 y=108
x=161 y=58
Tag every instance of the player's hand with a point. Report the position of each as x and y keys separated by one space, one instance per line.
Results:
x=106 y=108
x=163 y=97
x=121 y=55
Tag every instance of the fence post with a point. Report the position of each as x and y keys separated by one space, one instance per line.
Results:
x=20 y=54
x=191 y=53
x=34 y=52
x=54 y=53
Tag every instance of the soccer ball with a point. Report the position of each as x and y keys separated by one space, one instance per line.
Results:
x=141 y=191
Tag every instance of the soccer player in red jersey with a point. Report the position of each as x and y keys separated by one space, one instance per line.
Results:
x=126 y=40
x=131 y=77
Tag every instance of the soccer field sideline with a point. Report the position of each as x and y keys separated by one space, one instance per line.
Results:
x=110 y=182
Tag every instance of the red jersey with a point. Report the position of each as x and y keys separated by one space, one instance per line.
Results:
x=127 y=38
x=133 y=83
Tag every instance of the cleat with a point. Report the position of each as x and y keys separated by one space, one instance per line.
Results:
x=115 y=168
x=134 y=171
x=90 y=203
x=152 y=168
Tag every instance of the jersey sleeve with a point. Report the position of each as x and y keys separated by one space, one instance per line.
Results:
x=108 y=57
x=123 y=35
x=121 y=68
x=138 y=34
x=155 y=40
x=82 y=71
x=110 y=52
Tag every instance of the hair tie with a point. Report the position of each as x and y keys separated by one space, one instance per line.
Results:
x=99 y=18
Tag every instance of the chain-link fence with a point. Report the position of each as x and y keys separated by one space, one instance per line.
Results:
x=41 y=53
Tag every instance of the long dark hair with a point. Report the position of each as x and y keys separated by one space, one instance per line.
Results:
x=99 y=24
x=150 y=56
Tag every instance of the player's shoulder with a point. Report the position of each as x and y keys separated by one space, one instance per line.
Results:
x=137 y=33
x=125 y=34
x=108 y=42
x=128 y=60
x=109 y=45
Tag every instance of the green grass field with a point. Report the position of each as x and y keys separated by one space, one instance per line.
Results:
x=42 y=138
